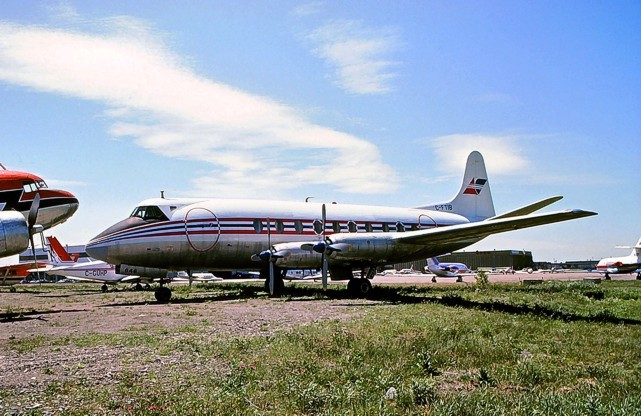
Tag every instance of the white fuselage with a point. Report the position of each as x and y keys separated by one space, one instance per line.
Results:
x=93 y=270
x=222 y=234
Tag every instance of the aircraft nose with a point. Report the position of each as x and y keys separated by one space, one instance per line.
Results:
x=97 y=251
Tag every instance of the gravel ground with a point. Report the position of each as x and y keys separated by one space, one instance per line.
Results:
x=35 y=318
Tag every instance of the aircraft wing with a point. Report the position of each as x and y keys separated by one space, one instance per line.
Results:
x=476 y=231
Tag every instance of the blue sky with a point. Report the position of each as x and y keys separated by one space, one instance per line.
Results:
x=344 y=101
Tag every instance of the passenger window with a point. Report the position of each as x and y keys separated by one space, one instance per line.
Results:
x=258 y=226
x=318 y=227
x=385 y=227
x=351 y=226
x=400 y=227
x=280 y=227
x=336 y=227
x=298 y=225
x=368 y=227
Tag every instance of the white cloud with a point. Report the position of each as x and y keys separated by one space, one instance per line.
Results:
x=358 y=56
x=129 y=69
x=502 y=154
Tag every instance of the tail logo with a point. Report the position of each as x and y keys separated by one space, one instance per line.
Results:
x=475 y=186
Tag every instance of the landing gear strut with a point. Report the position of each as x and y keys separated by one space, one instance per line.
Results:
x=163 y=294
x=279 y=284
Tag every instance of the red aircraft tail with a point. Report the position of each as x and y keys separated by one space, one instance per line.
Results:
x=59 y=253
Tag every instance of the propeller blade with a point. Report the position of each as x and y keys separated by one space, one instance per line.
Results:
x=325 y=267
x=33 y=211
x=325 y=254
x=324 y=218
x=271 y=263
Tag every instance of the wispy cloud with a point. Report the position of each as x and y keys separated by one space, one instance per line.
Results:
x=360 y=57
x=153 y=96
x=502 y=153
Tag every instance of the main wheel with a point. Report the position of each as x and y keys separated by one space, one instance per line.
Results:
x=104 y=287
x=359 y=287
x=163 y=294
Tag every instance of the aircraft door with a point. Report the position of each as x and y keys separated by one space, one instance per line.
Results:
x=202 y=229
x=425 y=222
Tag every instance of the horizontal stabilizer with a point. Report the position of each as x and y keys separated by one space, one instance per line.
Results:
x=528 y=209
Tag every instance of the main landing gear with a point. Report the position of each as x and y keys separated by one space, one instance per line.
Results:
x=360 y=287
x=279 y=284
x=163 y=293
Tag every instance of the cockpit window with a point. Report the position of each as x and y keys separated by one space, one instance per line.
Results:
x=149 y=213
x=33 y=186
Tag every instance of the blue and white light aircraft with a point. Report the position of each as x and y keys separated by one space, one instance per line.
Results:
x=439 y=269
x=164 y=235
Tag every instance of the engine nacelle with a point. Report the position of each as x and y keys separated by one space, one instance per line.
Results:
x=292 y=256
x=150 y=272
x=375 y=247
x=14 y=233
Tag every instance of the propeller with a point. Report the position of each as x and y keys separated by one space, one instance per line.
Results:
x=33 y=228
x=271 y=258
x=323 y=247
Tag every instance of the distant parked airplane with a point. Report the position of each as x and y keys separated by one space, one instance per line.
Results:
x=620 y=265
x=457 y=270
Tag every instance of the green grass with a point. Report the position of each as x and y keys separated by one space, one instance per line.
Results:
x=558 y=348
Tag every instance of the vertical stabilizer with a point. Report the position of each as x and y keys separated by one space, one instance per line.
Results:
x=58 y=252
x=636 y=250
x=474 y=199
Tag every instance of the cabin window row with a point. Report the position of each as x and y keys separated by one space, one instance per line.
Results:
x=280 y=226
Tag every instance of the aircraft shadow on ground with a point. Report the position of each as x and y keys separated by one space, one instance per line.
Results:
x=384 y=294
x=19 y=316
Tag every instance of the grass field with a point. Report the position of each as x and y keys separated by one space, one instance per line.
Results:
x=497 y=349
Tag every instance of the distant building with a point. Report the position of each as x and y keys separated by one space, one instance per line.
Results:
x=516 y=259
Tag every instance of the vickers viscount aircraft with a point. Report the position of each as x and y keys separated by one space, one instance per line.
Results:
x=28 y=206
x=625 y=264
x=230 y=234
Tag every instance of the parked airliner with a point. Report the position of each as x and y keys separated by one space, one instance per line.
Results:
x=626 y=264
x=229 y=234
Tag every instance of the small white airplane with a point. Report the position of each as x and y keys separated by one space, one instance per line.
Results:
x=622 y=265
x=64 y=264
x=167 y=234
x=439 y=269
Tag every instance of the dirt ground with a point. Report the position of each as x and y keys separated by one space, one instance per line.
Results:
x=35 y=313
x=34 y=318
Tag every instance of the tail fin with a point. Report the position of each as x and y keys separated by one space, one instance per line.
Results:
x=58 y=252
x=474 y=199
x=636 y=250
x=432 y=261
